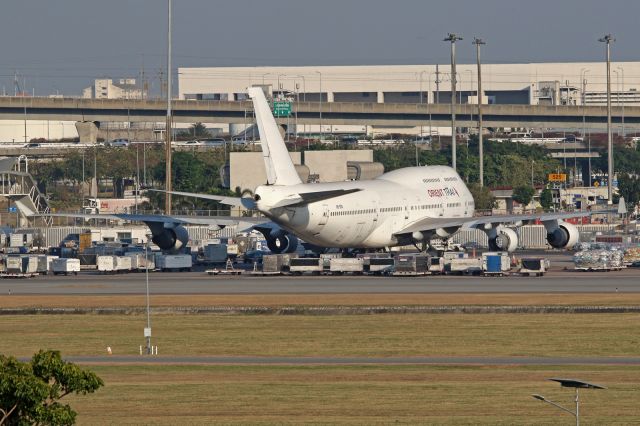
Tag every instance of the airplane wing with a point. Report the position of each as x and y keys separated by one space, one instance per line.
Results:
x=221 y=221
x=430 y=224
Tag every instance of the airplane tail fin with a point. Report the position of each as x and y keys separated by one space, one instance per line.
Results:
x=277 y=162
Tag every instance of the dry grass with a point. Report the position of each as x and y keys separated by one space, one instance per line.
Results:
x=334 y=335
x=353 y=395
x=88 y=301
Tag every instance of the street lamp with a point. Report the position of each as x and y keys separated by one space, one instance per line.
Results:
x=320 y=106
x=451 y=37
x=608 y=39
x=569 y=383
x=147 y=330
x=478 y=42
x=623 y=99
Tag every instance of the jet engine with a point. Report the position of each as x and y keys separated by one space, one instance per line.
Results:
x=282 y=242
x=169 y=237
x=503 y=239
x=563 y=235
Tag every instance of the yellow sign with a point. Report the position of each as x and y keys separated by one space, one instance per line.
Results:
x=557 y=177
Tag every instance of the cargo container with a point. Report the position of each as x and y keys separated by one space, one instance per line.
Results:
x=411 y=264
x=122 y=264
x=30 y=264
x=436 y=265
x=139 y=261
x=379 y=265
x=533 y=266
x=13 y=264
x=215 y=253
x=465 y=265
x=305 y=264
x=65 y=266
x=106 y=264
x=277 y=263
x=174 y=262
x=495 y=263
x=346 y=265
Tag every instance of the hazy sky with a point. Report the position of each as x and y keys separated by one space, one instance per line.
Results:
x=62 y=45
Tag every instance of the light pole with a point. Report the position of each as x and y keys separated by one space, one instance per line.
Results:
x=167 y=132
x=569 y=383
x=478 y=42
x=320 y=106
x=583 y=78
x=147 y=330
x=608 y=39
x=623 y=97
x=451 y=37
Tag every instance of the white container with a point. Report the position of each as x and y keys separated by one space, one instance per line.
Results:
x=65 y=266
x=106 y=263
x=436 y=265
x=341 y=265
x=174 y=262
x=29 y=264
x=50 y=260
x=139 y=261
x=122 y=264
x=16 y=240
x=14 y=264
x=465 y=266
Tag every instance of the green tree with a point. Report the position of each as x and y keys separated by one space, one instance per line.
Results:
x=482 y=197
x=523 y=194
x=629 y=188
x=546 y=199
x=196 y=131
x=30 y=391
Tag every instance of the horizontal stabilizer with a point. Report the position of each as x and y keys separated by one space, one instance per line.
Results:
x=297 y=200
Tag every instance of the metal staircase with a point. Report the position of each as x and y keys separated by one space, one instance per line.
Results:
x=19 y=186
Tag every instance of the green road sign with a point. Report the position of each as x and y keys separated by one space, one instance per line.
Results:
x=281 y=108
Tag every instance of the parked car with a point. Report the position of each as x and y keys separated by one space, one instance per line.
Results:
x=33 y=145
x=120 y=143
x=213 y=142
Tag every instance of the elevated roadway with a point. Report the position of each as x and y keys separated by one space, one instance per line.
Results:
x=337 y=113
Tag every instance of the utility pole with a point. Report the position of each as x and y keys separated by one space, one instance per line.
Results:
x=608 y=39
x=478 y=42
x=167 y=132
x=451 y=37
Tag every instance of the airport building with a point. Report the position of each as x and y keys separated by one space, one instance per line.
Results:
x=579 y=83
x=534 y=83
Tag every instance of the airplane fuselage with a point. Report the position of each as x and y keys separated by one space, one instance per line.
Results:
x=373 y=216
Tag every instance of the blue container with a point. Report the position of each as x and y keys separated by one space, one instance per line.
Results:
x=494 y=264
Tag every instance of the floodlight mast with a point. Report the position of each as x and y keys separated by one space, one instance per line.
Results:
x=608 y=39
x=478 y=42
x=452 y=37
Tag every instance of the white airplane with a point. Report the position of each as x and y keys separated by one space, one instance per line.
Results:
x=406 y=206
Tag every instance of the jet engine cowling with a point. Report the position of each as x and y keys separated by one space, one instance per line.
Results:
x=503 y=239
x=170 y=238
x=282 y=242
x=565 y=235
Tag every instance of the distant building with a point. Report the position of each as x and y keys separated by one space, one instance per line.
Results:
x=105 y=88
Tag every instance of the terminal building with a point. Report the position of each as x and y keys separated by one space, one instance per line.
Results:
x=579 y=83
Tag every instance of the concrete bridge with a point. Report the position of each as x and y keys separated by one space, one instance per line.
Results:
x=337 y=113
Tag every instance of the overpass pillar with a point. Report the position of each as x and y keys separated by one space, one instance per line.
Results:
x=87 y=131
x=380 y=99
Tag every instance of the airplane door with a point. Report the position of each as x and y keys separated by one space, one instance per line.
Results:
x=405 y=206
x=324 y=216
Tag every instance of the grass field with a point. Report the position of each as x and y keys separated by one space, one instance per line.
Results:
x=354 y=395
x=330 y=335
